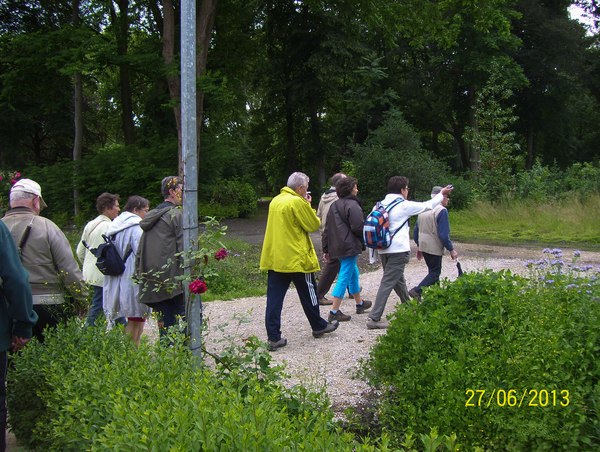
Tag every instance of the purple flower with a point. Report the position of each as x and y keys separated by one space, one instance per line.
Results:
x=577 y=253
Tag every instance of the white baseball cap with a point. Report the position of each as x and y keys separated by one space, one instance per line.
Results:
x=29 y=186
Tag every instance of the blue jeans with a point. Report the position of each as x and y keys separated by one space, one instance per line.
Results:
x=348 y=277
x=96 y=310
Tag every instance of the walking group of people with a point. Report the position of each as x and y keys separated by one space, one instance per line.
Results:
x=289 y=255
x=37 y=264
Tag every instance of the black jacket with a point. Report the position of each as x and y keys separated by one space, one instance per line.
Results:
x=343 y=234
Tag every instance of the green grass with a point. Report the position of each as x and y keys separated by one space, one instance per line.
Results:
x=566 y=222
x=241 y=276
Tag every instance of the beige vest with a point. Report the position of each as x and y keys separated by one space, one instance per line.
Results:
x=429 y=242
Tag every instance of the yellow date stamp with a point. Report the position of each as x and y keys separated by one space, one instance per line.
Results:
x=512 y=398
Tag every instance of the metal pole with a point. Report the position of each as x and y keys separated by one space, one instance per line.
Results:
x=188 y=142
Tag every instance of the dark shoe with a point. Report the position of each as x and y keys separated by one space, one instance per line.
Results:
x=274 y=345
x=339 y=316
x=361 y=308
x=324 y=301
x=377 y=324
x=331 y=327
x=414 y=294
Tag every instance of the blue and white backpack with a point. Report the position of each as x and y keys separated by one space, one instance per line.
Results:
x=377 y=232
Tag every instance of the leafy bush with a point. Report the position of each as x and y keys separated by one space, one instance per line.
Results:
x=394 y=149
x=217 y=211
x=236 y=193
x=86 y=389
x=509 y=336
x=115 y=169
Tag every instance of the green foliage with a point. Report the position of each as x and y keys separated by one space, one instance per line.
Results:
x=87 y=389
x=236 y=193
x=509 y=336
x=496 y=146
x=394 y=149
x=6 y=182
x=115 y=169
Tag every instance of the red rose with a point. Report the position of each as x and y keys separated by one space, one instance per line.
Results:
x=13 y=182
x=221 y=254
x=198 y=287
x=18 y=175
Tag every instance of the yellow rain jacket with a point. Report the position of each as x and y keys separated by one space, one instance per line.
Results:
x=287 y=247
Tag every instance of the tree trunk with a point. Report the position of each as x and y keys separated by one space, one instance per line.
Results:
x=173 y=78
x=78 y=119
x=530 y=130
x=289 y=119
x=126 y=101
x=204 y=26
x=315 y=128
x=474 y=163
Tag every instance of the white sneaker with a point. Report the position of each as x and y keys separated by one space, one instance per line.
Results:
x=376 y=325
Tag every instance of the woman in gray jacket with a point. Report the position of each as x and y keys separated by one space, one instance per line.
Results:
x=343 y=240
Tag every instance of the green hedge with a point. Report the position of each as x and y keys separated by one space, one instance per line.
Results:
x=497 y=332
x=90 y=390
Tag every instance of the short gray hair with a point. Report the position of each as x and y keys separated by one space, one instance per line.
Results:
x=297 y=179
x=18 y=196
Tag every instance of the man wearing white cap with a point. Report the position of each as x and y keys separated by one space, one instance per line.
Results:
x=45 y=253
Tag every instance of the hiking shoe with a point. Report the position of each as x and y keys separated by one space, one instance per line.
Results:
x=339 y=316
x=324 y=301
x=414 y=294
x=331 y=327
x=274 y=345
x=361 y=308
x=377 y=324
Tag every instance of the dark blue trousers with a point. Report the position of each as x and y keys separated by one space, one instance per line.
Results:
x=278 y=284
x=168 y=311
x=3 y=401
x=434 y=264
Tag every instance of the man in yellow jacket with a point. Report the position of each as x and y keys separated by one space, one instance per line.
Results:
x=289 y=255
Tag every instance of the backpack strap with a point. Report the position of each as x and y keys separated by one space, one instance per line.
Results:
x=24 y=237
x=389 y=208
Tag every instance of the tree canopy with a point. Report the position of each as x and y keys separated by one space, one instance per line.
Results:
x=293 y=85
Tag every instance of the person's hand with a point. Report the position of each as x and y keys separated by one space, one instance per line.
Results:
x=326 y=257
x=18 y=343
x=447 y=190
x=419 y=255
x=453 y=255
x=308 y=198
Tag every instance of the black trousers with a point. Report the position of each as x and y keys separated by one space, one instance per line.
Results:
x=327 y=278
x=278 y=284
